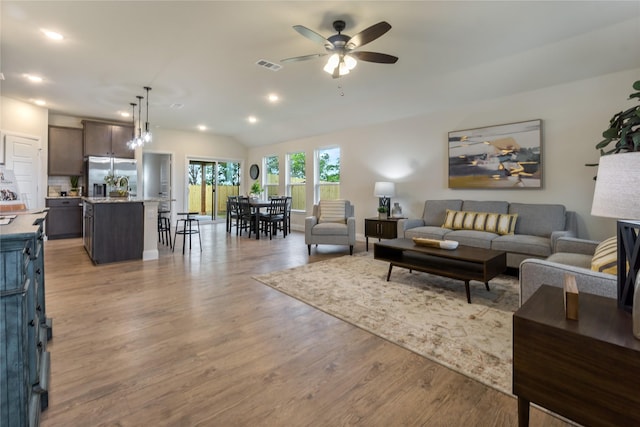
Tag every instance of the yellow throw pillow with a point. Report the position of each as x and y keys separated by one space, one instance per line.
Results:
x=605 y=258
x=481 y=221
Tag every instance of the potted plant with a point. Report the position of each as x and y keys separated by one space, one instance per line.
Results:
x=623 y=131
x=256 y=189
x=74 y=185
x=382 y=212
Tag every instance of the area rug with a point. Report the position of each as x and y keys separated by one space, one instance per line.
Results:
x=424 y=313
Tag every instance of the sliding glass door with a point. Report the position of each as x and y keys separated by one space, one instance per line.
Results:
x=210 y=182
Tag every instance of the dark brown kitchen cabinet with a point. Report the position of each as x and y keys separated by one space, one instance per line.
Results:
x=65 y=151
x=107 y=139
x=65 y=218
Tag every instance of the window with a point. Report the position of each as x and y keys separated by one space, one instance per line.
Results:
x=271 y=169
x=297 y=180
x=327 y=174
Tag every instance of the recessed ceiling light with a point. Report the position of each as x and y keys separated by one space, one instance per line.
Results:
x=252 y=119
x=39 y=102
x=124 y=114
x=202 y=127
x=53 y=35
x=273 y=97
x=32 y=78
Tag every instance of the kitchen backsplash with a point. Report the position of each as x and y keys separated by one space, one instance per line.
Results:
x=62 y=182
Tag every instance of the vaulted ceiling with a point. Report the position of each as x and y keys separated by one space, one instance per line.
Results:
x=200 y=58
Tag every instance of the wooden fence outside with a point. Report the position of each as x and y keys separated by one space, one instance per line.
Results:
x=298 y=193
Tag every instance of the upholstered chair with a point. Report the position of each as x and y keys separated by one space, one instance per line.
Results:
x=332 y=223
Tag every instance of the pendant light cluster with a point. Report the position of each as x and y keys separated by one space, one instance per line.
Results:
x=139 y=139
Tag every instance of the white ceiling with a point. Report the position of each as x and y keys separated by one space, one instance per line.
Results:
x=202 y=55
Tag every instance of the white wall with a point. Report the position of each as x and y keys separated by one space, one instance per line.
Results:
x=413 y=152
x=26 y=119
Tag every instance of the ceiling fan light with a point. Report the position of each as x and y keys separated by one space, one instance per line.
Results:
x=344 y=69
x=350 y=62
x=332 y=63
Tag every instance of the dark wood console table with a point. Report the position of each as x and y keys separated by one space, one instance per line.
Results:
x=586 y=370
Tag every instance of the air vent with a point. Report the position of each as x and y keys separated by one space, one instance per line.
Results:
x=268 y=65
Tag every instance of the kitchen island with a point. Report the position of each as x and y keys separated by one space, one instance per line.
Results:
x=120 y=228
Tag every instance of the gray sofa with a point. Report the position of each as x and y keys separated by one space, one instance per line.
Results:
x=571 y=256
x=537 y=228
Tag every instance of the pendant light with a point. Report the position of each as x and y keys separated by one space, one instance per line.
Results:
x=147 y=137
x=132 y=142
x=139 y=140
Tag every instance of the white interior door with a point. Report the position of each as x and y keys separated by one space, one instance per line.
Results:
x=22 y=155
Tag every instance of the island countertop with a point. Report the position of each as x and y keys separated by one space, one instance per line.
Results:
x=124 y=199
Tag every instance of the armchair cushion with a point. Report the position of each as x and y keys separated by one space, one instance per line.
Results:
x=330 y=229
x=332 y=211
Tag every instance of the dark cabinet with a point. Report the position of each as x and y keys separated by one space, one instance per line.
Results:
x=65 y=151
x=380 y=228
x=114 y=231
x=107 y=139
x=65 y=218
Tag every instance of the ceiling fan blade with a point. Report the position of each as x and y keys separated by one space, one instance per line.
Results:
x=381 y=58
x=368 y=34
x=303 y=58
x=311 y=35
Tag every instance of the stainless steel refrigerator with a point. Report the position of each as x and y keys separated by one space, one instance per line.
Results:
x=99 y=167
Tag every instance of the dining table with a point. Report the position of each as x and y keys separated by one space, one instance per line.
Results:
x=256 y=205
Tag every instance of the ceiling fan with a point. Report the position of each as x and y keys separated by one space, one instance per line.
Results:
x=342 y=47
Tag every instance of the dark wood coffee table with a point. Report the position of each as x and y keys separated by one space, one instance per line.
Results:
x=463 y=263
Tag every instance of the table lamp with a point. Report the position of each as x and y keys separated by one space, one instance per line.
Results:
x=617 y=195
x=385 y=190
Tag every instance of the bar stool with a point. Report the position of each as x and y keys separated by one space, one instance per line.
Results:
x=164 y=228
x=187 y=229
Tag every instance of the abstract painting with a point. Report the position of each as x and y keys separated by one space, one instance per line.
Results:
x=500 y=156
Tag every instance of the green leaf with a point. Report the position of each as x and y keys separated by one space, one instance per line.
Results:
x=636 y=85
x=610 y=133
x=603 y=143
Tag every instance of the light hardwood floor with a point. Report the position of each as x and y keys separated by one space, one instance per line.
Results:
x=193 y=341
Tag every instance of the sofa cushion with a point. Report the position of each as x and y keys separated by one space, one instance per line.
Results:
x=538 y=219
x=332 y=211
x=480 y=221
x=435 y=210
x=427 y=231
x=477 y=239
x=605 y=259
x=523 y=244
x=485 y=206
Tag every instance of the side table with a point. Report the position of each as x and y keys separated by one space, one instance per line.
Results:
x=380 y=228
x=587 y=370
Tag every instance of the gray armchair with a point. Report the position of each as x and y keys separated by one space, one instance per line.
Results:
x=331 y=228
x=571 y=256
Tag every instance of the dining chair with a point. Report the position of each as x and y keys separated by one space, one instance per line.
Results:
x=232 y=212
x=246 y=219
x=275 y=217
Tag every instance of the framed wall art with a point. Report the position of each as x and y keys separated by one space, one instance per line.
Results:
x=500 y=156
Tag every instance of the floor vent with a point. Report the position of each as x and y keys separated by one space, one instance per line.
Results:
x=268 y=65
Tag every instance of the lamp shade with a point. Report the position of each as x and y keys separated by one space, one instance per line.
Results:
x=384 y=189
x=617 y=192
